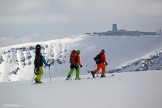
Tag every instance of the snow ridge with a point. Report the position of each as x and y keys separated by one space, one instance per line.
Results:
x=151 y=62
x=16 y=62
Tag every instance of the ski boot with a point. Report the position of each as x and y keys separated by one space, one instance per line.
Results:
x=40 y=82
x=77 y=78
x=68 y=77
x=93 y=74
x=102 y=76
x=36 y=81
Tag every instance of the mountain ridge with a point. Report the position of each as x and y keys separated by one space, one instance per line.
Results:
x=16 y=62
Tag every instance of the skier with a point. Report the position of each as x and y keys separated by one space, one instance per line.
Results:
x=74 y=64
x=38 y=63
x=101 y=63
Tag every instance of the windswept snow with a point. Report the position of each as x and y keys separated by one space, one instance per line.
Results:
x=124 y=90
x=124 y=53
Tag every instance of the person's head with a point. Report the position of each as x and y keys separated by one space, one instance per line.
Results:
x=103 y=50
x=78 y=51
x=37 y=48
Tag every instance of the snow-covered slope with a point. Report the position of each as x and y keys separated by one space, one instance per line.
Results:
x=16 y=62
x=149 y=62
x=124 y=53
x=124 y=90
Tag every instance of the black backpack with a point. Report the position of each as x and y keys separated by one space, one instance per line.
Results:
x=98 y=59
x=37 y=48
x=37 y=63
x=38 y=59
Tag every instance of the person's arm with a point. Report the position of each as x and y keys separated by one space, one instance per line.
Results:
x=44 y=61
x=105 y=60
x=79 y=61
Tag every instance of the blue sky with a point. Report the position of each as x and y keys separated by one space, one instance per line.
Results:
x=70 y=17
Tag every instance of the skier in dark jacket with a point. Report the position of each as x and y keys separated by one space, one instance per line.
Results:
x=38 y=63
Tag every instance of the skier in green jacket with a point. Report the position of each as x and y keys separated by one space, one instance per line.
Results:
x=38 y=63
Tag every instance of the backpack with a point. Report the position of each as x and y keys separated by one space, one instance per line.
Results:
x=74 y=57
x=37 y=63
x=98 y=59
x=37 y=48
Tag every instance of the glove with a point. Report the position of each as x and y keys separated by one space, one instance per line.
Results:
x=81 y=66
x=49 y=65
x=106 y=63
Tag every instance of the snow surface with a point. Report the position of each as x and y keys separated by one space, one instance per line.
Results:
x=124 y=90
x=16 y=62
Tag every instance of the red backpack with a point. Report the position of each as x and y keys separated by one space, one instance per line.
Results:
x=74 y=57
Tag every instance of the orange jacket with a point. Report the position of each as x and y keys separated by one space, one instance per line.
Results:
x=103 y=57
x=79 y=59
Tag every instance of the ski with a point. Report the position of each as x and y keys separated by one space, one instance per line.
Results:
x=97 y=76
x=91 y=77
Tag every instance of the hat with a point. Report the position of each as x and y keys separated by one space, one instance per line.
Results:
x=103 y=50
x=78 y=51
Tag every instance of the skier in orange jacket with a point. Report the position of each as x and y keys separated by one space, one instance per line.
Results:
x=101 y=64
x=74 y=64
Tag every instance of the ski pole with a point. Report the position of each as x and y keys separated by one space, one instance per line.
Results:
x=49 y=74
x=32 y=79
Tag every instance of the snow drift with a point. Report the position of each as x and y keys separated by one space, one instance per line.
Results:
x=124 y=90
x=124 y=53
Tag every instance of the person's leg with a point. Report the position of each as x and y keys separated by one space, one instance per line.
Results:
x=39 y=76
x=97 y=69
x=71 y=71
x=103 y=67
x=78 y=72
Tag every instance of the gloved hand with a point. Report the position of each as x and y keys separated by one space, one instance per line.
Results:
x=106 y=63
x=49 y=65
x=81 y=66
